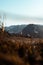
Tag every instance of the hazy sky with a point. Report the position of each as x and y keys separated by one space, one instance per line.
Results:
x=28 y=8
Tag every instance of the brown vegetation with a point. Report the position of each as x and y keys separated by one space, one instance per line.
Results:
x=20 y=50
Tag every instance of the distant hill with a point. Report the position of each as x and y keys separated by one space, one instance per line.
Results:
x=33 y=31
x=15 y=28
x=30 y=30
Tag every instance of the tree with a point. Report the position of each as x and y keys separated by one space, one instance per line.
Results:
x=2 y=23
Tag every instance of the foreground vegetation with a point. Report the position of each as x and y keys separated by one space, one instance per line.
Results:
x=20 y=50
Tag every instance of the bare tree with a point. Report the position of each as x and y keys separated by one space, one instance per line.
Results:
x=2 y=17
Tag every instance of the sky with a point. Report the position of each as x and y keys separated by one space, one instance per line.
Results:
x=24 y=8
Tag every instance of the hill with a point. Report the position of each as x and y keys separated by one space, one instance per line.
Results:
x=35 y=31
x=15 y=28
x=31 y=30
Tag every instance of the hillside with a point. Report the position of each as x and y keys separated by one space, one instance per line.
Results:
x=31 y=30
x=15 y=28
x=20 y=50
x=35 y=31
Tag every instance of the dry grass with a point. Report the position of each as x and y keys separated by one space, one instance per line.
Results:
x=21 y=51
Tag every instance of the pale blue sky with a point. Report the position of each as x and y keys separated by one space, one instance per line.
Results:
x=30 y=8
